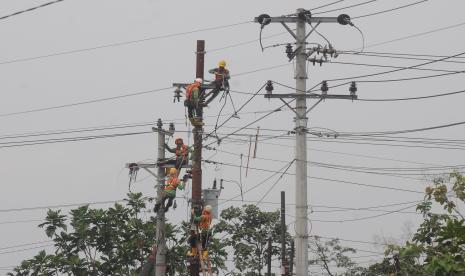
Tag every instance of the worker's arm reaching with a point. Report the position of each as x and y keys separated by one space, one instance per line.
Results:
x=172 y=150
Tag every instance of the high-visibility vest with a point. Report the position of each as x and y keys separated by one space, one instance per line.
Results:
x=182 y=152
x=191 y=88
x=205 y=221
x=172 y=183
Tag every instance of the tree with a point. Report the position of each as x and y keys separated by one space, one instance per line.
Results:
x=115 y=241
x=438 y=246
x=247 y=230
x=331 y=253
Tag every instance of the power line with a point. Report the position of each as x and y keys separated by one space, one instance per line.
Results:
x=24 y=244
x=416 y=35
x=327 y=5
x=127 y=95
x=72 y=139
x=403 y=57
x=122 y=43
x=397 y=70
x=365 y=218
x=347 y=7
x=84 y=102
x=319 y=178
x=389 y=10
x=30 y=9
x=25 y=249
x=58 y=206
x=395 y=67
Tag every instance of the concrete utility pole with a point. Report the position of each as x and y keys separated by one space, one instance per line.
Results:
x=301 y=18
x=156 y=264
x=160 y=264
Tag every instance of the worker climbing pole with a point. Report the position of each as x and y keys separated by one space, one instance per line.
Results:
x=198 y=95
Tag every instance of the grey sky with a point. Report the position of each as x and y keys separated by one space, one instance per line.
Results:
x=88 y=171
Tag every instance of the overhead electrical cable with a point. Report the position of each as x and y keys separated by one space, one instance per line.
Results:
x=389 y=10
x=394 y=67
x=415 y=35
x=346 y=7
x=116 y=44
x=402 y=57
x=365 y=218
x=321 y=178
x=123 y=96
x=30 y=9
x=396 y=70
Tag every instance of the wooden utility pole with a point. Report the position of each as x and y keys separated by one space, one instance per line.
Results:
x=283 y=234
x=197 y=158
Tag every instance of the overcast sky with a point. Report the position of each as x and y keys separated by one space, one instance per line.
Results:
x=93 y=171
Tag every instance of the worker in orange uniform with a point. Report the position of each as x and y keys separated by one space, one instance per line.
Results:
x=181 y=156
x=204 y=221
x=221 y=81
x=169 y=191
x=193 y=102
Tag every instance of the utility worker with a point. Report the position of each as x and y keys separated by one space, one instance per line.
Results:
x=193 y=102
x=221 y=75
x=204 y=221
x=221 y=81
x=181 y=152
x=169 y=191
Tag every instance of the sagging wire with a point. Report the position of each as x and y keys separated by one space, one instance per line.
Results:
x=314 y=29
x=240 y=180
x=363 y=39
x=276 y=182
x=263 y=19
x=219 y=115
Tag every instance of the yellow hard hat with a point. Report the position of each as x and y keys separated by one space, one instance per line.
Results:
x=222 y=63
x=173 y=171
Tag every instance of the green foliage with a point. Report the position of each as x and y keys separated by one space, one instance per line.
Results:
x=438 y=246
x=247 y=230
x=114 y=241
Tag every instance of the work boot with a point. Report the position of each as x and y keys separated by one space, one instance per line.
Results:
x=205 y=254
x=192 y=252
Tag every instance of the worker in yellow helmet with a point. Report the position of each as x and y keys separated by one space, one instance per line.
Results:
x=221 y=75
x=221 y=81
x=169 y=190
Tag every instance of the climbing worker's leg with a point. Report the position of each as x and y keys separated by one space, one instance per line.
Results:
x=205 y=237
x=193 y=243
x=170 y=202
x=158 y=203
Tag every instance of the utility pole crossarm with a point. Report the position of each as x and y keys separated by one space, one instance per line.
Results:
x=202 y=86
x=311 y=96
x=295 y=19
